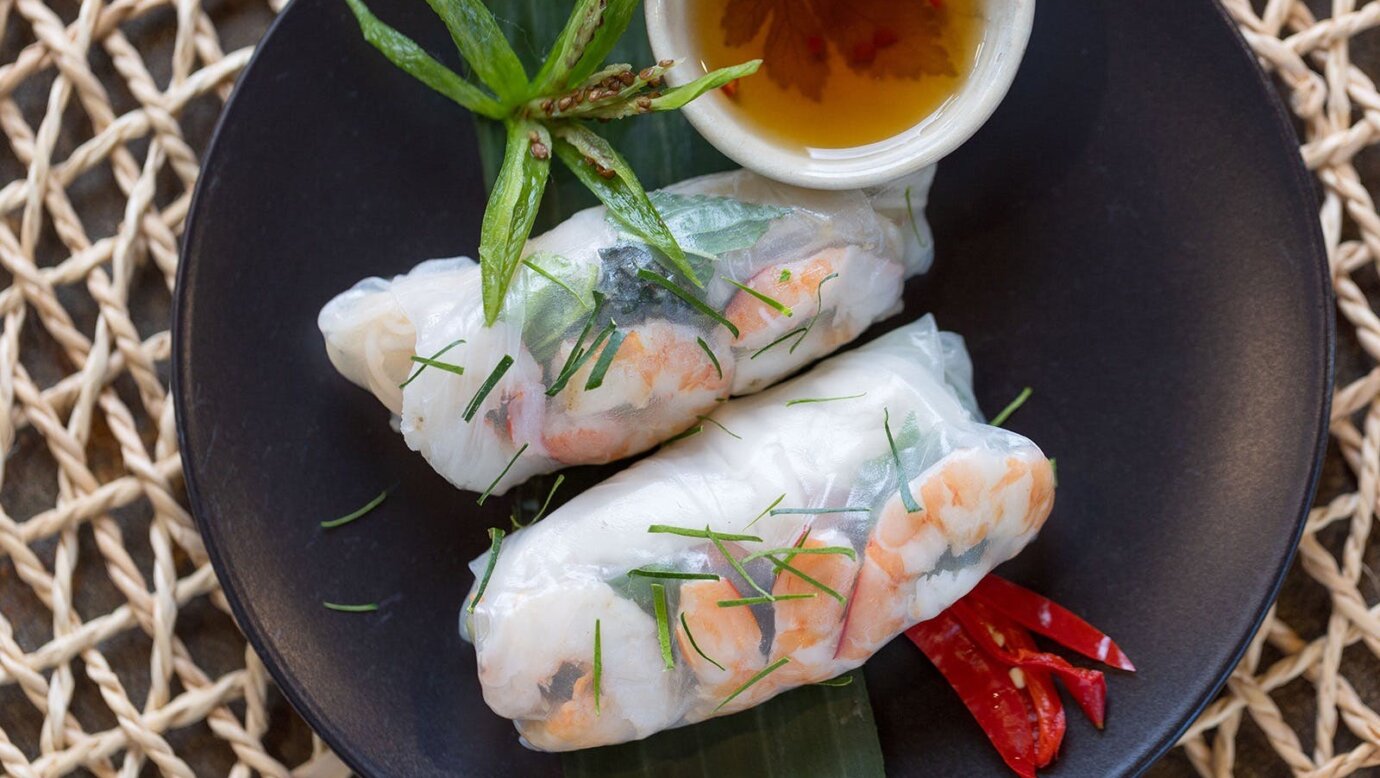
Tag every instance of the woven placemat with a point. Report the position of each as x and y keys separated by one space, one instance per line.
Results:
x=117 y=655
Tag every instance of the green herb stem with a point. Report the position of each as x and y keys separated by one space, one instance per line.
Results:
x=705 y=533
x=691 y=637
x=495 y=545
x=805 y=400
x=1012 y=407
x=506 y=468
x=767 y=510
x=366 y=508
x=818 y=511
x=798 y=573
x=720 y=425
x=801 y=331
x=598 y=668
x=687 y=297
x=793 y=551
x=736 y=565
x=368 y=607
x=904 y=484
x=768 y=670
x=766 y=598
x=819 y=310
x=663 y=625
x=672 y=575
x=841 y=681
x=709 y=352
x=767 y=300
x=601 y=365
x=488 y=386
x=422 y=367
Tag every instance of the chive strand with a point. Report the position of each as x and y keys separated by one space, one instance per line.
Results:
x=439 y=365
x=706 y=533
x=759 y=352
x=368 y=607
x=495 y=545
x=420 y=368
x=539 y=270
x=598 y=668
x=841 y=681
x=804 y=400
x=906 y=498
x=663 y=625
x=672 y=575
x=802 y=575
x=560 y=479
x=506 y=468
x=795 y=551
x=695 y=430
x=1011 y=408
x=691 y=637
x=766 y=598
x=767 y=300
x=573 y=367
x=601 y=365
x=709 y=352
x=819 y=310
x=735 y=564
x=690 y=299
x=767 y=509
x=488 y=386
x=720 y=425
x=366 y=508
x=818 y=511
x=768 y=670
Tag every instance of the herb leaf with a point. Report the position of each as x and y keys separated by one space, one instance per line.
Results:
x=476 y=34
x=368 y=607
x=767 y=300
x=367 y=507
x=690 y=299
x=663 y=625
x=512 y=209
x=709 y=352
x=569 y=47
x=804 y=400
x=617 y=14
x=1014 y=406
x=495 y=545
x=613 y=181
x=691 y=637
x=601 y=366
x=906 y=498
x=413 y=59
x=678 y=97
x=488 y=386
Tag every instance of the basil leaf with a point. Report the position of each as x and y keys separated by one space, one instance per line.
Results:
x=569 y=48
x=616 y=18
x=476 y=34
x=677 y=97
x=511 y=210
x=411 y=58
x=554 y=306
x=620 y=192
x=710 y=225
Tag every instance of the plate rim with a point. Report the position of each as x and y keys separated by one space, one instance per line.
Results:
x=321 y=723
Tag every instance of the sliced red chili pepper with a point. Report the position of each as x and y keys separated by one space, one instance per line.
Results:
x=1046 y=617
x=985 y=687
x=1050 y=721
x=1088 y=687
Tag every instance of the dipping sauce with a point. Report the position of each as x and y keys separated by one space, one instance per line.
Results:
x=838 y=73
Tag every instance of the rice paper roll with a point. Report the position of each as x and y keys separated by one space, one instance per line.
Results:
x=871 y=549
x=603 y=363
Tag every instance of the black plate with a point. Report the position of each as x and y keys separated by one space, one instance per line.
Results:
x=1132 y=234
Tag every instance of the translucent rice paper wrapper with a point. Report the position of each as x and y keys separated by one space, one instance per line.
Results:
x=821 y=476
x=838 y=260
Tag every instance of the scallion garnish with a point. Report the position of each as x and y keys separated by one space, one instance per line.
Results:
x=488 y=386
x=539 y=270
x=368 y=607
x=506 y=468
x=601 y=365
x=691 y=637
x=367 y=507
x=422 y=367
x=495 y=545
x=818 y=511
x=767 y=509
x=798 y=573
x=1006 y=412
x=598 y=668
x=439 y=365
x=804 y=400
x=767 y=300
x=819 y=310
x=735 y=564
x=673 y=574
x=695 y=430
x=794 y=551
x=720 y=425
x=766 y=598
x=690 y=299
x=768 y=670
x=797 y=331
x=560 y=479
x=663 y=625
x=705 y=533
x=577 y=350
x=842 y=680
x=573 y=367
x=712 y=358
x=906 y=499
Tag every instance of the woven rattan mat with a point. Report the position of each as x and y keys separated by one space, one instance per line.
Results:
x=117 y=655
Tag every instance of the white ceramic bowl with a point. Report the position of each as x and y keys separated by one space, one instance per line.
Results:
x=1006 y=29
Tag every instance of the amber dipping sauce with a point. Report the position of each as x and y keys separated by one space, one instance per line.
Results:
x=838 y=73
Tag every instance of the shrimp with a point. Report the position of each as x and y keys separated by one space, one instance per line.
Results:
x=807 y=631
x=659 y=381
x=729 y=637
x=832 y=296
x=965 y=499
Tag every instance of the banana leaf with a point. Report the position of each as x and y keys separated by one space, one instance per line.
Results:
x=814 y=731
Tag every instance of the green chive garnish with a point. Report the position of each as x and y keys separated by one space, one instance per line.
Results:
x=819 y=309
x=506 y=468
x=691 y=637
x=705 y=533
x=439 y=365
x=784 y=277
x=818 y=511
x=573 y=366
x=558 y=282
x=598 y=668
x=577 y=351
x=842 y=680
x=560 y=479
x=695 y=430
x=601 y=366
x=663 y=625
x=495 y=545
x=710 y=353
x=368 y=506
x=906 y=499
x=718 y=424
x=1006 y=412
x=798 y=573
x=771 y=302
x=767 y=509
x=794 y=551
x=771 y=668
x=764 y=599
x=804 y=400
x=735 y=564
x=368 y=607
x=422 y=367
x=913 y=225
x=673 y=574
x=488 y=386
x=797 y=331
x=690 y=299
x=1054 y=469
